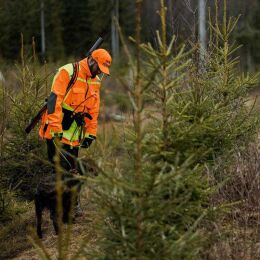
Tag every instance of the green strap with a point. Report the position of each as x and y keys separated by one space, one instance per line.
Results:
x=64 y=105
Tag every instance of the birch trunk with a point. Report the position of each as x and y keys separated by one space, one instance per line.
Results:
x=202 y=29
x=114 y=31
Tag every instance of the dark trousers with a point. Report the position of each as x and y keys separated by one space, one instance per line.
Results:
x=67 y=155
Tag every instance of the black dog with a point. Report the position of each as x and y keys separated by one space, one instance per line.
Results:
x=46 y=197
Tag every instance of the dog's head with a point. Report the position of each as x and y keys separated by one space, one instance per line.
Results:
x=89 y=167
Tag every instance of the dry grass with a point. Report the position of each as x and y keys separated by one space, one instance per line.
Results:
x=238 y=232
x=13 y=240
x=18 y=245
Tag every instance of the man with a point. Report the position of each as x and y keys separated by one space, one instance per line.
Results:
x=73 y=107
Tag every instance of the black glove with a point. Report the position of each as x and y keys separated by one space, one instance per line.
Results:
x=88 y=141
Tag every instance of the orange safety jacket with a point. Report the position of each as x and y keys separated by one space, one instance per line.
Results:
x=83 y=97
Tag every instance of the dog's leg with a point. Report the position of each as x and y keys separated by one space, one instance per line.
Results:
x=38 y=212
x=54 y=218
x=77 y=207
x=55 y=224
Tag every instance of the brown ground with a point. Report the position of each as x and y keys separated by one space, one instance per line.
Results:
x=82 y=235
x=16 y=238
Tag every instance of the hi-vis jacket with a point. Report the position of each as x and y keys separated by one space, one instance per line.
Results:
x=84 y=97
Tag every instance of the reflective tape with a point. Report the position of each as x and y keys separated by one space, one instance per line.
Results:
x=81 y=79
x=73 y=133
x=93 y=82
x=64 y=105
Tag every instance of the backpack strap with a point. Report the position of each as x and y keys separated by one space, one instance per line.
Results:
x=73 y=78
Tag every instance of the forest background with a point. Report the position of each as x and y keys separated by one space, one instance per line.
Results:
x=189 y=132
x=72 y=26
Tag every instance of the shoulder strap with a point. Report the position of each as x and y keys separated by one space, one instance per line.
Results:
x=73 y=77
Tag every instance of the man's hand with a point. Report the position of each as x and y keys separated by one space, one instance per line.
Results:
x=88 y=141
x=57 y=135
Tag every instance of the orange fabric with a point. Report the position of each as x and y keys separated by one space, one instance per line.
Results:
x=103 y=58
x=83 y=97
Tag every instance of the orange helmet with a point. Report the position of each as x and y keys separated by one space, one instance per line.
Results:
x=103 y=58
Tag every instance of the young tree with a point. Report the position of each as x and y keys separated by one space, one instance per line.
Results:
x=154 y=203
x=20 y=166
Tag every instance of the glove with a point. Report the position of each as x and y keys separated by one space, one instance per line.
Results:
x=88 y=141
x=57 y=135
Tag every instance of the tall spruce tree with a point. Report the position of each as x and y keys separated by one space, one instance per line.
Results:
x=12 y=23
x=77 y=34
x=54 y=30
x=153 y=204
x=100 y=18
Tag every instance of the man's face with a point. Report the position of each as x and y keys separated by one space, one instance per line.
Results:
x=93 y=67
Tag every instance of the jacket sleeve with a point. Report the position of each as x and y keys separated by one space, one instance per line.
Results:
x=91 y=125
x=54 y=105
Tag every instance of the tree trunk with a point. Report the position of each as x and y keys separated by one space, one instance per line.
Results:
x=114 y=31
x=42 y=30
x=202 y=28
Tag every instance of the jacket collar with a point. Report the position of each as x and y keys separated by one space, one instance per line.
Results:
x=85 y=68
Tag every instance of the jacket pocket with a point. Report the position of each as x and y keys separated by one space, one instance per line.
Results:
x=78 y=96
x=92 y=99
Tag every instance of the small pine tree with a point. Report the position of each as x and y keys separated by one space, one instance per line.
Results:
x=21 y=166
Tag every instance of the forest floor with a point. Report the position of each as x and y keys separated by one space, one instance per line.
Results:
x=243 y=239
x=18 y=237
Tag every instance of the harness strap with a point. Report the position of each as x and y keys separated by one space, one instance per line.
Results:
x=73 y=78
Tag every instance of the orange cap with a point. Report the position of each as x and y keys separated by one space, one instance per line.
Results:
x=103 y=58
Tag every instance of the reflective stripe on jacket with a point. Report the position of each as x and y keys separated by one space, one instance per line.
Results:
x=84 y=97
